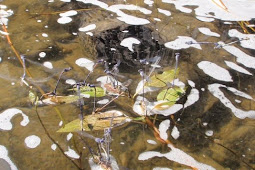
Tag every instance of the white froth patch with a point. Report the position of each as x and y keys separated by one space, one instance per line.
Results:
x=215 y=71
x=165 y=12
x=153 y=142
x=236 y=67
x=32 y=141
x=48 y=65
x=60 y=123
x=117 y=9
x=241 y=114
x=149 y=2
x=241 y=57
x=157 y=19
x=54 y=146
x=45 y=35
x=209 y=133
x=89 y=33
x=65 y=0
x=208 y=32
x=175 y=133
x=7 y=115
x=249 y=41
x=161 y=168
x=84 y=62
x=70 y=81
x=104 y=101
x=182 y=43
x=208 y=10
x=71 y=153
x=192 y=98
x=191 y=83
x=69 y=13
x=175 y=155
x=128 y=42
x=163 y=127
x=4 y=33
x=5 y=14
x=64 y=20
x=4 y=156
x=42 y=54
x=238 y=101
x=69 y=136
x=88 y=28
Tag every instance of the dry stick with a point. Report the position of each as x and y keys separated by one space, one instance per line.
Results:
x=99 y=109
x=47 y=133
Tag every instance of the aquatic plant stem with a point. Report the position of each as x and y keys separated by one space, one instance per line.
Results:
x=18 y=56
x=47 y=133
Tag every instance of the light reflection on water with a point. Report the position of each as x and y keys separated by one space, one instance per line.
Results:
x=62 y=47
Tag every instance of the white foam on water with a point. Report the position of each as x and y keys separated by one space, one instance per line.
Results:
x=238 y=101
x=241 y=57
x=104 y=101
x=241 y=114
x=175 y=133
x=48 y=65
x=54 y=146
x=165 y=12
x=157 y=19
x=4 y=15
x=236 y=67
x=7 y=115
x=4 y=155
x=207 y=31
x=70 y=81
x=60 y=123
x=153 y=142
x=215 y=71
x=175 y=155
x=65 y=0
x=71 y=153
x=161 y=168
x=89 y=33
x=209 y=133
x=163 y=127
x=84 y=62
x=192 y=98
x=45 y=35
x=128 y=42
x=42 y=54
x=88 y=28
x=149 y=2
x=69 y=13
x=64 y=20
x=69 y=136
x=182 y=43
x=140 y=89
x=117 y=9
x=32 y=141
x=249 y=41
x=242 y=10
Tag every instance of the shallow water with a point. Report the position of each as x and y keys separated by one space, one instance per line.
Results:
x=215 y=119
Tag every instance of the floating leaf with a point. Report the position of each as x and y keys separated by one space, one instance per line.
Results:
x=53 y=100
x=86 y=90
x=98 y=121
x=31 y=96
x=170 y=95
x=161 y=80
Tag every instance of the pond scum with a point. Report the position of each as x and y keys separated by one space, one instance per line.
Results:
x=154 y=110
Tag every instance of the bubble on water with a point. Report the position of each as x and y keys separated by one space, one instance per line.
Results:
x=32 y=141
x=209 y=133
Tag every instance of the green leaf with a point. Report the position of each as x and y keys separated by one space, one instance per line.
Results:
x=98 y=121
x=86 y=90
x=31 y=96
x=160 y=80
x=170 y=95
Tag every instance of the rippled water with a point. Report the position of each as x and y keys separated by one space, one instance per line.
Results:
x=212 y=125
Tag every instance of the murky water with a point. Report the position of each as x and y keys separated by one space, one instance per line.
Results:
x=211 y=126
